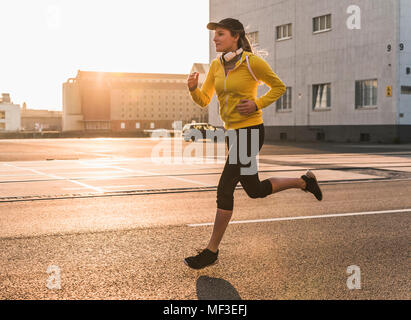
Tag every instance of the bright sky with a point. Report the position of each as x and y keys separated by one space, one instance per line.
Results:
x=45 y=42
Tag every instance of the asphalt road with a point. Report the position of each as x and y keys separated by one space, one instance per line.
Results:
x=115 y=225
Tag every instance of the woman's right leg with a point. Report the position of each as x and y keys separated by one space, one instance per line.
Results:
x=225 y=200
x=222 y=219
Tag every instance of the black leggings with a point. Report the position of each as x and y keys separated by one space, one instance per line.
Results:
x=232 y=173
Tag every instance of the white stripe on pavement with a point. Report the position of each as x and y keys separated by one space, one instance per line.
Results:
x=97 y=189
x=106 y=187
x=306 y=217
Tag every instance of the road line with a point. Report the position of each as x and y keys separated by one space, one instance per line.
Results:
x=170 y=177
x=127 y=186
x=97 y=189
x=306 y=217
x=191 y=181
x=106 y=166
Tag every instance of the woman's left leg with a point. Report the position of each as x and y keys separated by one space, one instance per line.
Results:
x=251 y=182
x=280 y=184
x=261 y=189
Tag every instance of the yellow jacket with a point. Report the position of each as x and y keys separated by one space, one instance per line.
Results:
x=240 y=83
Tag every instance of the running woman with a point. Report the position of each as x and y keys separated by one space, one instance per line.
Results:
x=235 y=76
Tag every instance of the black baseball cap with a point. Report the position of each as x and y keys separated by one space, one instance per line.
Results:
x=228 y=23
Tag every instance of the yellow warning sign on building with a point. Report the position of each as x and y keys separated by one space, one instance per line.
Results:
x=389 y=91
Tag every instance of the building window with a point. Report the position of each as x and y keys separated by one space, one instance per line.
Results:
x=284 y=103
x=97 y=125
x=2 y=115
x=322 y=96
x=364 y=137
x=152 y=125
x=284 y=32
x=253 y=37
x=123 y=125
x=2 y=126
x=322 y=23
x=366 y=93
x=320 y=136
x=137 y=125
x=404 y=90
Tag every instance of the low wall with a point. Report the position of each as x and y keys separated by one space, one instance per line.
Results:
x=71 y=134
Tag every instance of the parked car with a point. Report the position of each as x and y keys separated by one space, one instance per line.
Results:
x=189 y=128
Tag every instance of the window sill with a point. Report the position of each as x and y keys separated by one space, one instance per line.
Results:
x=366 y=108
x=322 y=31
x=321 y=110
x=284 y=111
x=283 y=39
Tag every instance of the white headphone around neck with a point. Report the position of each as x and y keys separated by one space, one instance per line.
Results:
x=231 y=55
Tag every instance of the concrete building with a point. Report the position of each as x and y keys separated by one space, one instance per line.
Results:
x=347 y=68
x=110 y=101
x=9 y=114
x=40 y=120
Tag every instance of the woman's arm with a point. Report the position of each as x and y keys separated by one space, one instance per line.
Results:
x=263 y=72
x=203 y=96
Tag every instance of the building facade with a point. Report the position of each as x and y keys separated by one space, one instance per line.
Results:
x=347 y=67
x=9 y=114
x=109 y=101
x=40 y=120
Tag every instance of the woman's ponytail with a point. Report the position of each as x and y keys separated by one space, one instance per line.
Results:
x=245 y=43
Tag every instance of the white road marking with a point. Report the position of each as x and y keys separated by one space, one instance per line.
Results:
x=97 y=166
x=104 y=155
x=97 y=189
x=305 y=217
x=127 y=186
x=189 y=180
x=379 y=179
x=145 y=172
x=17 y=175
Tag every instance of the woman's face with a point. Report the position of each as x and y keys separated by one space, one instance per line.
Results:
x=223 y=40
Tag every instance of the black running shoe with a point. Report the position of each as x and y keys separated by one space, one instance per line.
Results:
x=312 y=185
x=203 y=259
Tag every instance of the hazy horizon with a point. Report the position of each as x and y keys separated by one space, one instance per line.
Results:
x=48 y=41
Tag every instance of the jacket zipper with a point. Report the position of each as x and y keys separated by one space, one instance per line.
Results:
x=225 y=85
x=226 y=98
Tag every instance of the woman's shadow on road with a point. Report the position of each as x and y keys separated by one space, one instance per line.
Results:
x=215 y=289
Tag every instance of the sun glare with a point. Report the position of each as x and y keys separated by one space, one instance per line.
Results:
x=48 y=41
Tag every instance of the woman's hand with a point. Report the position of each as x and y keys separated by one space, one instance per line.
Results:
x=192 y=81
x=246 y=107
